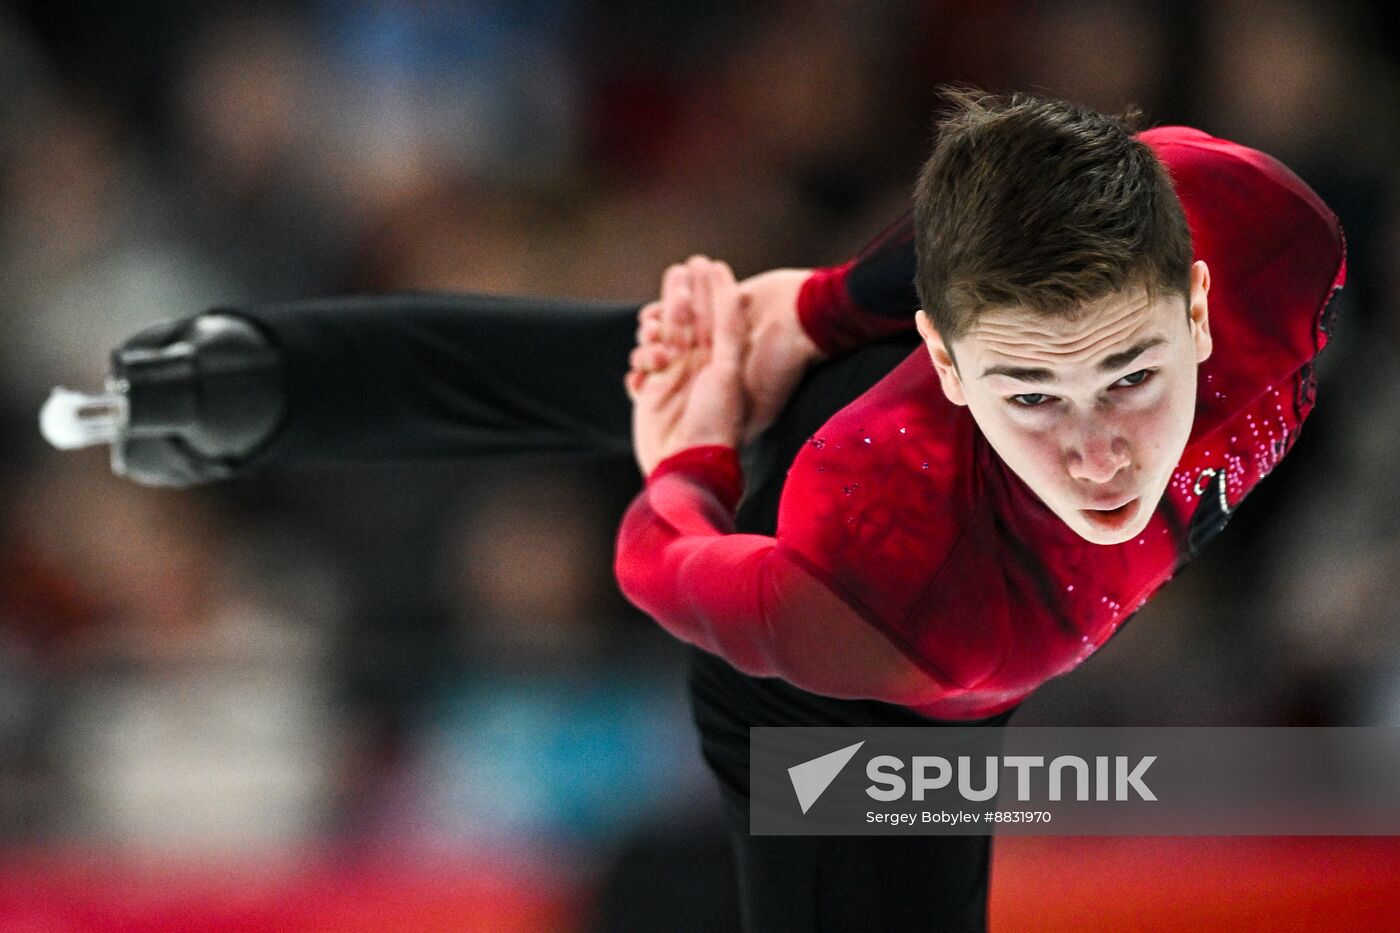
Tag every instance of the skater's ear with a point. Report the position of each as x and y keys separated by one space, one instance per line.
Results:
x=1198 y=310
x=942 y=356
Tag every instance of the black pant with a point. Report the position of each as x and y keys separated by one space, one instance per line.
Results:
x=407 y=377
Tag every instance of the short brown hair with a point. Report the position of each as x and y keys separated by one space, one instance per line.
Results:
x=1042 y=204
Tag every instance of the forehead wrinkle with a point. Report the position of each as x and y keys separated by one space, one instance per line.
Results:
x=1019 y=333
x=1039 y=353
x=1012 y=341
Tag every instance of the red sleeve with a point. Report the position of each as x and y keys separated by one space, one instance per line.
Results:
x=745 y=597
x=869 y=297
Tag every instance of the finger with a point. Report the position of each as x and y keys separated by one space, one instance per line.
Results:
x=676 y=300
x=650 y=313
x=702 y=301
x=704 y=305
x=660 y=356
x=653 y=389
x=664 y=385
x=632 y=382
x=731 y=318
x=651 y=357
x=649 y=331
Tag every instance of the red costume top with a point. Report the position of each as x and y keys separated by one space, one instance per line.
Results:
x=910 y=564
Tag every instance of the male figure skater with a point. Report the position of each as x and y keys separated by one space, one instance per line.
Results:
x=935 y=524
x=1075 y=428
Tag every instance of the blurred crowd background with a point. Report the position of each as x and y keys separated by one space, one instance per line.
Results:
x=428 y=665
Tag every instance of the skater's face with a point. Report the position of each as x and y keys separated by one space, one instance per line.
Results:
x=1092 y=414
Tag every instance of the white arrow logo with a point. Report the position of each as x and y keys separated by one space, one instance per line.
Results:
x=811 y=778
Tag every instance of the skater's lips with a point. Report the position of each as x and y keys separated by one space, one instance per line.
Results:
x=1108 y=503
x=1112 y=518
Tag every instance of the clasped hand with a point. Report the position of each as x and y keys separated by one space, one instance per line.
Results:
x=716 y=360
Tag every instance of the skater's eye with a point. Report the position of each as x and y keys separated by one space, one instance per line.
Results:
x=1040 y=399
x=1135 y=379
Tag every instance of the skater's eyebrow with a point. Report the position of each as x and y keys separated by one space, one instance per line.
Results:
x=1106 y=365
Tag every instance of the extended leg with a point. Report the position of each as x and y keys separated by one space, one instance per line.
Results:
x=408 y=377
x=241 y=391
